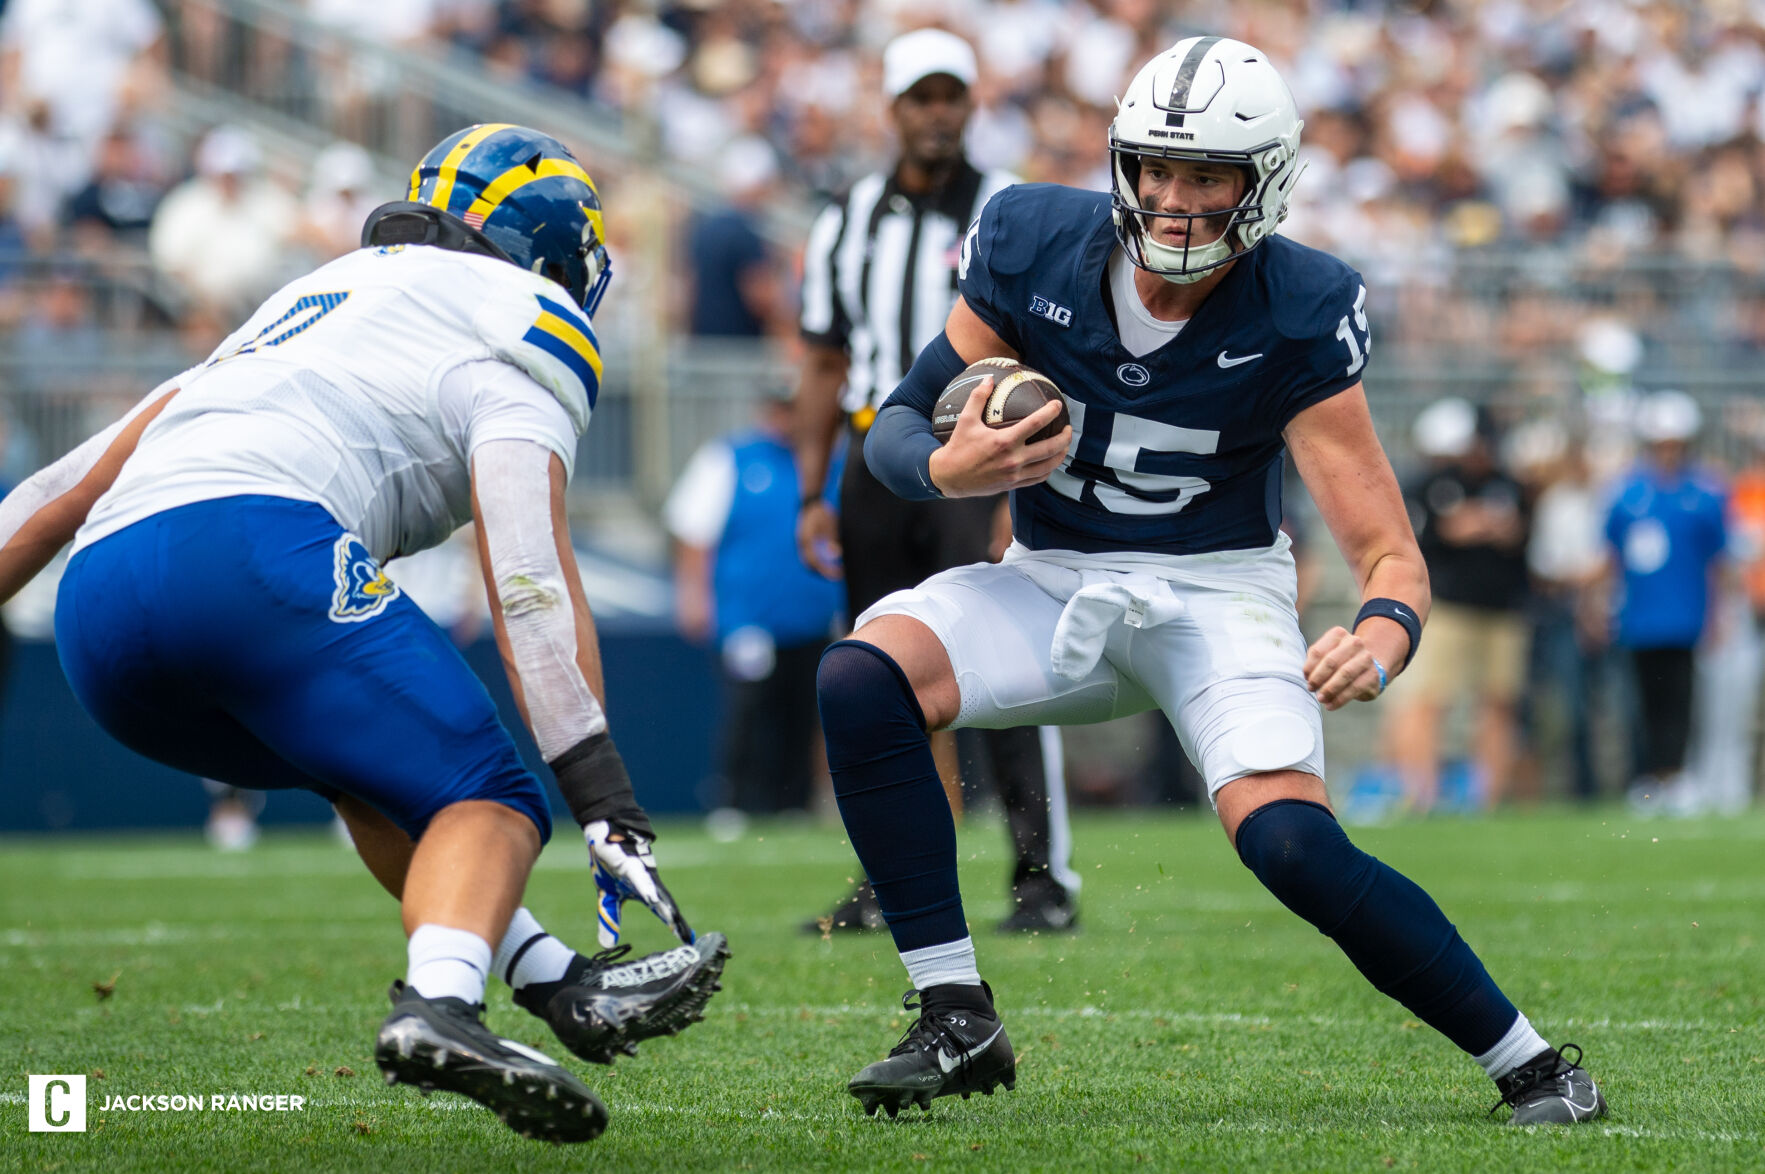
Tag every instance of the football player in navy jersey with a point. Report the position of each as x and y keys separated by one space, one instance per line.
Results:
x=1148 y=569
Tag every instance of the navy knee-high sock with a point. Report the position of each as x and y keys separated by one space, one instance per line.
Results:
x=1389 y=928
x=890 y=796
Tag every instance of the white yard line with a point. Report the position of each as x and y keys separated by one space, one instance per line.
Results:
x=836 y=1117
x=161 y=934
x=1141 y=1014
x=565 y=854
x=1104 y=1015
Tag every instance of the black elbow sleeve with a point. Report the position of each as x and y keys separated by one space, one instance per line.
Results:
x=593 y=780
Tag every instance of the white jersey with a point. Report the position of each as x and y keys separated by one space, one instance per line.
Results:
x=365 y=387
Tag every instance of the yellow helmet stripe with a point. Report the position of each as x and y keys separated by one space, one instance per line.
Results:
x=450 y=164
x=567 y=333
x=518 y=176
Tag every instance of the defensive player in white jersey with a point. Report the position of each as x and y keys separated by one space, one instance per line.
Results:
x=224 y=610
x=1193 y=344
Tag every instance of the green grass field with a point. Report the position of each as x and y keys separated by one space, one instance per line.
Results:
x=1193 y=1024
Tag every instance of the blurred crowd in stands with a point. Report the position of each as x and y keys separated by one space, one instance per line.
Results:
x=1597 y=613
x=1625 y=128
x=1558 y=204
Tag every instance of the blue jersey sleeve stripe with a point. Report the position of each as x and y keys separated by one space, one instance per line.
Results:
x=566 y=333
x=567 y=355
x=572 y=315
x=573 y=329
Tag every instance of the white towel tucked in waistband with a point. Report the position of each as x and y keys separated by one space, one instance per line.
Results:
x=1139 y=601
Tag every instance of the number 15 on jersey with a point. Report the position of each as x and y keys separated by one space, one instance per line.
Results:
x=1358 y=348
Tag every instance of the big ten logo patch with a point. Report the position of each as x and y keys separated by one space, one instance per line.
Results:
x=1055 y=313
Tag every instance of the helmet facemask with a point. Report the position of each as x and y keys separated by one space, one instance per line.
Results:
x=596 y=266
x=585 y=275
x=1204 y=100
x=1225 y=228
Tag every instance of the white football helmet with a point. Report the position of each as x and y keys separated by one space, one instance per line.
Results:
x=1208 y=99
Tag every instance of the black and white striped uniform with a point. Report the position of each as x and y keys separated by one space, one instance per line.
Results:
x=879 y=278
x=879 y=274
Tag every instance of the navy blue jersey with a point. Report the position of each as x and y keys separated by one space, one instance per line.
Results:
x=1177 y=451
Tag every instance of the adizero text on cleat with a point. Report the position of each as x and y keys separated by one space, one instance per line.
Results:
x=606 y=1006
x=1550 y=1089
x=957 y=1046
x=443 y=1043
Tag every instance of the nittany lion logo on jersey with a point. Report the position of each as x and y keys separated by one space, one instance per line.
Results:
x=363 y=590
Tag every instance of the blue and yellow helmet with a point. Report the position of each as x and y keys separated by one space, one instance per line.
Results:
x=507 y=192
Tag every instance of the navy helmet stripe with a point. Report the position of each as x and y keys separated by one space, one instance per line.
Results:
x=1186 y=78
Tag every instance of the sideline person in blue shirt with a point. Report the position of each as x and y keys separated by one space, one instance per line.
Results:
x=740 y=580
x=1667 y=531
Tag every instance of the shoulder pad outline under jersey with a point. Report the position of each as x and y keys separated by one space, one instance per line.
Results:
x=550 y=340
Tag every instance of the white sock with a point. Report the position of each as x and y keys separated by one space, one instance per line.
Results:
x=519 y=963
x=1519 y=1045
x=937 y=965
x=448 y=963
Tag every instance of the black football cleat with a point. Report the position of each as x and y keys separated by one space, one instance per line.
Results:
x=957 y=1046
x=443 y=1043
x=1550 y=1089
x=604 y=1007
x=858 y=913
x=1041 y=904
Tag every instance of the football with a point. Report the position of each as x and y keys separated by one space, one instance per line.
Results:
x=1017 y=392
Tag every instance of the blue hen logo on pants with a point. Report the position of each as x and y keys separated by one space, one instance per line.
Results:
x=363 y=590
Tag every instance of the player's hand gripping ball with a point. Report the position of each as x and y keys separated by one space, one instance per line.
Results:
x=1017 y=392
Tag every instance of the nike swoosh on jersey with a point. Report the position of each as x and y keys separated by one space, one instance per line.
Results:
x=1225 y=362
x=947 y=1063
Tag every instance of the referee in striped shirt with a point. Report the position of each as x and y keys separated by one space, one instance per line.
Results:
x=879 y=278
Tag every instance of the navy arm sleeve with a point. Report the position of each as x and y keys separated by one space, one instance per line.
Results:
x=899 y=446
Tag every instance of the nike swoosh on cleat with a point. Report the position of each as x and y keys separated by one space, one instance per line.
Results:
x=1225 y=362
x=948 y=1063
x=1576 y=1110
x=530 y=1053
